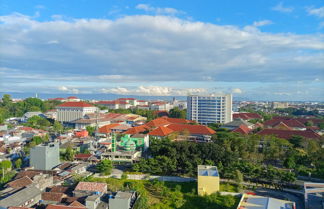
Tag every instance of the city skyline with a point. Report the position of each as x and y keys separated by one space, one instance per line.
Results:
x=260 y=50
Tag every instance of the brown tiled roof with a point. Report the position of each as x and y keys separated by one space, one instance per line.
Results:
x=76 y=204
x=19 y=208
x=247 y=115
x=75 y=104
x=29 y=173
x=92 y=186
x=60 y=189
x=137 y=129
x=52 y=196
x=62 y=207
x=19 y=183
x=82 y=156
x=287 y=134
x=242 y=129
x=69 y=200
x=293 y=123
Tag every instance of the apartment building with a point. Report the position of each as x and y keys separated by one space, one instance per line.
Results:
x=70 y=111
x=210 y=109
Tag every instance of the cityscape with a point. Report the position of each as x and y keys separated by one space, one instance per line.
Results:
x=161 y=104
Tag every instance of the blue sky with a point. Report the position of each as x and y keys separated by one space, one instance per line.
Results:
x=254 y=48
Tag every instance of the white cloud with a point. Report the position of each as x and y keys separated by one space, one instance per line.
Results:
x=151 y=49
x=69 y=90
x=262 y=23
x=237 y=91
x=154 y=91
x=158 y=10
x=281 y=8
x=319 y=12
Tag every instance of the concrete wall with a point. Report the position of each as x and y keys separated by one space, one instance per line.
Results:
x=208 y=185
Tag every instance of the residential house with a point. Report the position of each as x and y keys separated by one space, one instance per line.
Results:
x=25 y=197
x=89 y=188
x=123 y=200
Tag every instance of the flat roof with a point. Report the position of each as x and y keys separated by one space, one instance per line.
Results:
x=261 y=202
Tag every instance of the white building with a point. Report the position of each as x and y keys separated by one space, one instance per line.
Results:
x=70 y=111
x=210 y=109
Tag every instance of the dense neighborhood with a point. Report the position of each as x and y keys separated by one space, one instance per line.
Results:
x=206 y=152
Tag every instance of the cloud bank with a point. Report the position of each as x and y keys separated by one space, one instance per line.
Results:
x=144 y=48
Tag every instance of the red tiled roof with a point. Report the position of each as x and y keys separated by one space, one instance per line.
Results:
x=141 y=101
x=72 y=97
x=82 y=156
x=75 y=104
x=137 y=129
x=161 y=131
x=282 y=126
x=92 y=186
x=287 y=134
x=56 y=98
x=19 y=183
x=291 y=123
x=242 y=129
x=247 y=115
x=107 y=128
x=315 y=121
x=193 y=129
x=76 y=204
x=175 y=120
x=157 y=122
x=52 y=196
x=62 y=207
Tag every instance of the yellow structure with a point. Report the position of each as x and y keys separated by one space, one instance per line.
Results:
x=208 y=179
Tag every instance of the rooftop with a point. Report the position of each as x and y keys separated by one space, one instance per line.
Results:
x=260 y=202
x=207 y=170
x=92 y=186
x=75 y=104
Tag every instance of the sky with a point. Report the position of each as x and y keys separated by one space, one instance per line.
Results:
x=257 y=49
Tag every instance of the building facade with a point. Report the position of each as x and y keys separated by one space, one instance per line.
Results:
x=210 y=109
x=208 y=180
x=70 y=111
x=45 y=156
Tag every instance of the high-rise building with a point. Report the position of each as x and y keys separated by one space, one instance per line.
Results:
x=45 y=156
x=70 y=111
x=210 y=109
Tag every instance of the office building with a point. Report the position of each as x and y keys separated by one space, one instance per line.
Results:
x=70 y=111
x=208 y=180
x=210 y=109
x=45 y=156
